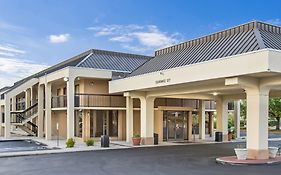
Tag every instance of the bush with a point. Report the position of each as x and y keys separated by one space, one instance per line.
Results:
x=136 y=136
x=70 y=143
x=90 y=142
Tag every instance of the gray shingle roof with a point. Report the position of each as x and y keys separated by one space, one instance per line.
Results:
x=113 y=61
x=98 y=59
x=237 y=40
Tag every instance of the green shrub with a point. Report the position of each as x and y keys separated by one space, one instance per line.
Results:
x=136 y=135
x=70 y=143
x=90 y=142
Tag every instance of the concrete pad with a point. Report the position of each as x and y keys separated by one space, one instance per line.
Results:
x=232 y=160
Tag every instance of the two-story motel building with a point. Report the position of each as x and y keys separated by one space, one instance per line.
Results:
x=118 y=94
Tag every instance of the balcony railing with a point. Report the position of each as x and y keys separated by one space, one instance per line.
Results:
x=59 y=101
x=90 y=100
x=99 y=100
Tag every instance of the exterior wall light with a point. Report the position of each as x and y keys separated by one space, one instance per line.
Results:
x=215 y=94
x=161 y=73
x=65 y=79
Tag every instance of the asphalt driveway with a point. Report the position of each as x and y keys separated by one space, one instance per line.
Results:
x=175 y=160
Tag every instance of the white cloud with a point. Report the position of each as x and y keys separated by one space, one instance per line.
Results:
x=275 y=21
x=136 y=37
x=61 y=38
x=124 y=39
x=155 y=39
x=10 y=49
x=12 y=67
x=11 y=27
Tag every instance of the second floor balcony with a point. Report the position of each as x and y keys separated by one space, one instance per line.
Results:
x=91 y=100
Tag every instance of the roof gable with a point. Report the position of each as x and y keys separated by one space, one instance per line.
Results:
x=114 y=61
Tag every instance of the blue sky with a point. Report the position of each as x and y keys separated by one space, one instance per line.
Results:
x=35 y=34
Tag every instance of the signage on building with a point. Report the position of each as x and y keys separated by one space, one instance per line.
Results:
x=167 y=80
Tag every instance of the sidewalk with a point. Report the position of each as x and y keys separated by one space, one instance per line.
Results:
x=60 y=147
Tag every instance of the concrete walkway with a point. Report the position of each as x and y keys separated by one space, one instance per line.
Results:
x=54 y=147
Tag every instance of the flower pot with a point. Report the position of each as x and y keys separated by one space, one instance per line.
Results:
x=272 y=151
x=230 y=136
x=136 y=141
x=241 y=153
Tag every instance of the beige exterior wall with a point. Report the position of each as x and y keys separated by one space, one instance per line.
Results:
x=94 y=86
x=136 y=122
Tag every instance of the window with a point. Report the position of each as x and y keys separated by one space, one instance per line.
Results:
x=64 y=91
x=58 y=92
x=77 y=89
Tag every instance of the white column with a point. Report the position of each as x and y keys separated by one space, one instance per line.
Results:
x=27 y=98
x=14 y=103
x=201 y=119
x=147 y=120
x=189 y=126
x=7 y=117
x=121 y=118
x=70 y=107
x=31 y=96
x=40 y=110
x=257 y=124
x=129 y=119
x=237 y=118
x=222 y=117
x=48 y=111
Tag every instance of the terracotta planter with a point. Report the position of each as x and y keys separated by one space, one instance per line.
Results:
x=230 y=136
x=136 y=141
x=272 y=151
x=241 y=153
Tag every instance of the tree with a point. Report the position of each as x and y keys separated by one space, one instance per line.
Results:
x=243 y=113
x=275 y=110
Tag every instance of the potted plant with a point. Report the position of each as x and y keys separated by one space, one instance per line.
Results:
x=136 y=139
x=241 y=152
x=272 y=151
x=230 y=134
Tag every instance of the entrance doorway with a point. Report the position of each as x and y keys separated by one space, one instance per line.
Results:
x=103 y=122
x=175 y=125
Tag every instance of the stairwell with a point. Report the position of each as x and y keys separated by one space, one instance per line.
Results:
x=23 y=120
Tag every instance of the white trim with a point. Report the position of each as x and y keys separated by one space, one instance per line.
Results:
x=84 y=59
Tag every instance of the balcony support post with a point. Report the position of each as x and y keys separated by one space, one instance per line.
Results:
x=70 y=107
x=48 y=111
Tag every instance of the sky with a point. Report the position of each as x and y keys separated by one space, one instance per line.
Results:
x=36 y=34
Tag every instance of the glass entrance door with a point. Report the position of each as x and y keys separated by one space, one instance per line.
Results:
x=175 y=123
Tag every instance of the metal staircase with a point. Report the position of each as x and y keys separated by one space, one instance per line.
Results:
x=23 y=119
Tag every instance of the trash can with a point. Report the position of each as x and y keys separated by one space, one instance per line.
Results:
x=156 y=139
x=218 y=137
x=104 y=141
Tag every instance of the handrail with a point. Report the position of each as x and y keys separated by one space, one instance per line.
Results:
x=18 y=117
x=34 y=127
x=27 y=109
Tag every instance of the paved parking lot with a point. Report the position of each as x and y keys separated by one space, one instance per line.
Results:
x=177 y=160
